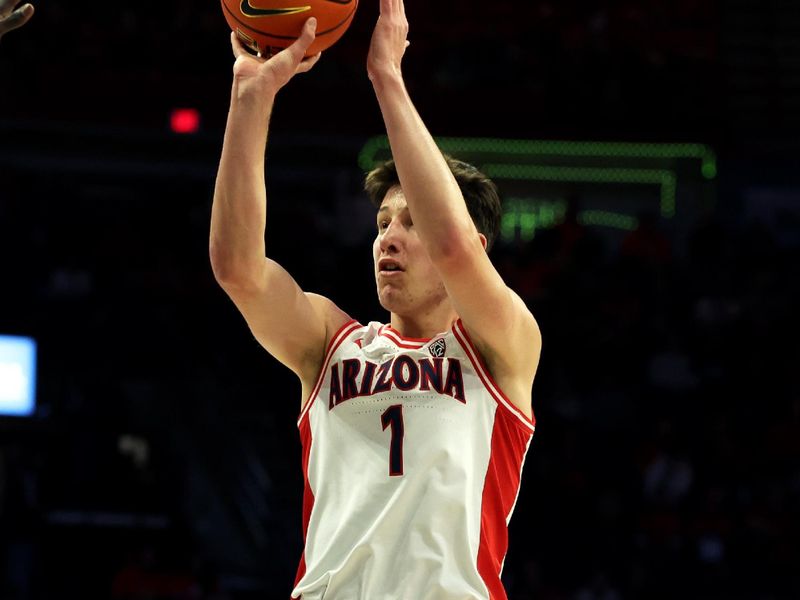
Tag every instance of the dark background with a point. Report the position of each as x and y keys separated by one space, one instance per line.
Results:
x=163 y=461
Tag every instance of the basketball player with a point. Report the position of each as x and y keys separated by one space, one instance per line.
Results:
x=414 y=432
x=12 y=19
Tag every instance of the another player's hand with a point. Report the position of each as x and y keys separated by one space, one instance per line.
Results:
x=389 y=41
x=271 y=74
x=10 y=18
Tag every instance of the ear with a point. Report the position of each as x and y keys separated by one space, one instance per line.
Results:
x=483 y=240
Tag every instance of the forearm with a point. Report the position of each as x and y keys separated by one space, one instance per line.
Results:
x=239 y=210
x=434 y=199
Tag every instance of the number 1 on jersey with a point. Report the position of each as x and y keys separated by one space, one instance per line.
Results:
x=394 y=416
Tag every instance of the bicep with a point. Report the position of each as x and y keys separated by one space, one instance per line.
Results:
x=290 y=324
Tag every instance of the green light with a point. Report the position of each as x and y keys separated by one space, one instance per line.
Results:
x=367 y=158
x=663 y=178
x=523 y=217
x=527 y=215
x=508 y=225
x=608 y=219
x=525 y=155
x=669 y=189
x=709 y=169
x=528 y=224
x=534 y=149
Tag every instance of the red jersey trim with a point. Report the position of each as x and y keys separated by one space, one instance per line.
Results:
x=337 y=339
x=308 y=496
x=398 y=340
x=501 y=486
x=483 y=373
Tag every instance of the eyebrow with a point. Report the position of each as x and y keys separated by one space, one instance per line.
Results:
x=383 y=208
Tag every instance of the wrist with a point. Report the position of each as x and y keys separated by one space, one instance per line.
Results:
x=250 y=92
x=389 y=80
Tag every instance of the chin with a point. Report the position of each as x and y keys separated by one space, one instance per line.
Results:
x=389 y=300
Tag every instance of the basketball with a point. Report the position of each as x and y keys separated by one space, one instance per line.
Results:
x=267 y=26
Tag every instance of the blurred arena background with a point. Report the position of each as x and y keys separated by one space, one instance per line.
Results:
x=647 y=152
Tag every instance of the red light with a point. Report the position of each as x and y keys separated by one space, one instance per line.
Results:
x=185 y=120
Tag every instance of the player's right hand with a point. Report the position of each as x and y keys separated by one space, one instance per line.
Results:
x=272 y=73
x=12 y=19
x=389 y=41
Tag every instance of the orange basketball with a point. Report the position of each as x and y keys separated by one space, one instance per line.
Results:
x=267 y=26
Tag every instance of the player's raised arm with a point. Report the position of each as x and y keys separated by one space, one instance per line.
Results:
x=290 y=324
x=495 y=316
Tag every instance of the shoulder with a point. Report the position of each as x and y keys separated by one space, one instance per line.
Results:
x=520 y=345
x=327 y=309
x=517 y=355
x=511 y=360
x=336 y=321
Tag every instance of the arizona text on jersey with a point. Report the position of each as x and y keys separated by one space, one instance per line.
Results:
x=412 y=459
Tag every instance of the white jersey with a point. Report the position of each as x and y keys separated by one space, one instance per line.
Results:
x=412 y=459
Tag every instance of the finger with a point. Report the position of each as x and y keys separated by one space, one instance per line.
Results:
x=16 y=19
x=298 y=48
x=239 y=49
x=308 y=63
x=386 y=7
x=6 y=6
x=236 y=45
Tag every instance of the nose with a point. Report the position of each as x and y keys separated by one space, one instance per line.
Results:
x=391 y=238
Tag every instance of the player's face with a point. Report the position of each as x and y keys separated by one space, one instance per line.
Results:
x=407 y=281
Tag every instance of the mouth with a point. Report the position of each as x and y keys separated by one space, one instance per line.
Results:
x=389 y=268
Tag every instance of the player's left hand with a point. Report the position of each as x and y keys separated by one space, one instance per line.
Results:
x=389 y=41
x=12 y=19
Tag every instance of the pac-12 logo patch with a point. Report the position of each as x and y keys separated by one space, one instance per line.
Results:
x=438 y=348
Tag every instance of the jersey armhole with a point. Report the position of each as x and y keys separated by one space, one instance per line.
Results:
x=488 y=381
x=336 y=340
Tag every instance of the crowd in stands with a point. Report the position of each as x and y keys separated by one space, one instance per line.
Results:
x=665 y=462
x=500 y=68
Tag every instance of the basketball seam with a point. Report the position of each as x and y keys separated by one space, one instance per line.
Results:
x=288 y=37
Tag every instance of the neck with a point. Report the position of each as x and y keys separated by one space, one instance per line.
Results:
x=425 y=325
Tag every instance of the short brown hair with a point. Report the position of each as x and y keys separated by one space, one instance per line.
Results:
x=480 y=193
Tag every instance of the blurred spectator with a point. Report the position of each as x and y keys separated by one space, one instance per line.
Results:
x=646 y=243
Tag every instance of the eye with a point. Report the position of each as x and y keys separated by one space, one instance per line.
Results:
x=383 y=224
